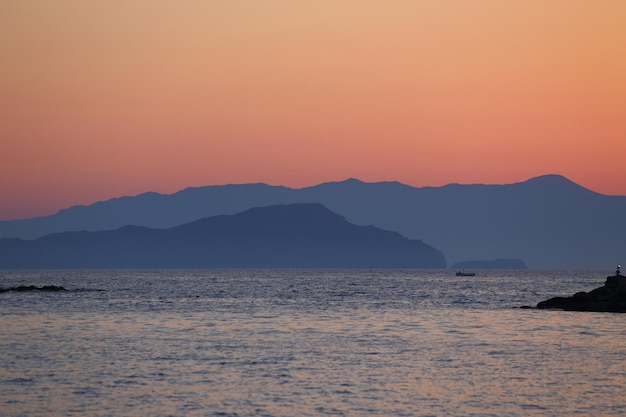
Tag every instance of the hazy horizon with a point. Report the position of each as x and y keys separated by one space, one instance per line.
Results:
x=104 y=99
x=88 y=203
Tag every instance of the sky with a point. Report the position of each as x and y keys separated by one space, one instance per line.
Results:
x=100 y=99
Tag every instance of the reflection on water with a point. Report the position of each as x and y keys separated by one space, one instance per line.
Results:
x=273 y=343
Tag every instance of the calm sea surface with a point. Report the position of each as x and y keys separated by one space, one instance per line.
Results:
x=307 y=343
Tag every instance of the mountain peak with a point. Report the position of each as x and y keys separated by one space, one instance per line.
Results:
x=551 y=182
x=347 y=181
x=550 y=179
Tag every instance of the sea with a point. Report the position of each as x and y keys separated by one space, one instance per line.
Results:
x=307 y=343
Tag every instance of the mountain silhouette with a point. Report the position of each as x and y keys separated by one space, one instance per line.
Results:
x=279 y=236
x=548 y=221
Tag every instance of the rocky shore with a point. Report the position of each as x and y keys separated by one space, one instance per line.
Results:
x=611 y=297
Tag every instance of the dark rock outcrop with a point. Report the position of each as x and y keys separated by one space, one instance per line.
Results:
x=25 y=288
x=611 y=297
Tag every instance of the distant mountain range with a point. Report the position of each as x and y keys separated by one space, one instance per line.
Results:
x=547 y=221
x=280 y=236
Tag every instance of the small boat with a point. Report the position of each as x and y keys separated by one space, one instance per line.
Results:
x=465 y=274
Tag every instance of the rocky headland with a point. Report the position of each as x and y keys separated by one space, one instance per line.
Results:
x=611 y=297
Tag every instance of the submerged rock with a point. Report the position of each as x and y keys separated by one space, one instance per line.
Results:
x=24 y=288
x=611 y=297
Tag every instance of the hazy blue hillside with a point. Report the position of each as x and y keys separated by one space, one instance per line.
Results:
x=282 y=236
x=548 y=221
x=150 y=210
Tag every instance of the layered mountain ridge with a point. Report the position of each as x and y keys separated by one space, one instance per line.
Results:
x=547 y=221
x=280 y=236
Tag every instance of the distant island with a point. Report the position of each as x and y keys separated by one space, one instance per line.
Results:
x=492 y=264
x=278 y=236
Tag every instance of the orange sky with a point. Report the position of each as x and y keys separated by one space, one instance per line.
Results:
x=106 y=98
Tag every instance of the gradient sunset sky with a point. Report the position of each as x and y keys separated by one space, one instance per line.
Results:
x=100 y=99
